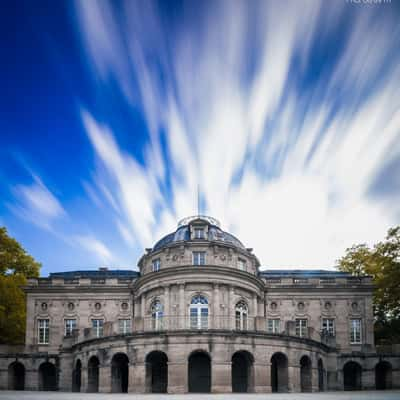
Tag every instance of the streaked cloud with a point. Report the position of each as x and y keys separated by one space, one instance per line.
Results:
x=98 y=250
x=37 y=204
x=285 y=114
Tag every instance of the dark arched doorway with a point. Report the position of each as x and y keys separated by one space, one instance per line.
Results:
x=77 y=377
x=16 y=376
x=119 y=373
x=242 y=372
x=352 y=376
x=47 y=376
x=93 y=375
x=199 y=373
x=156 y=372
x=305 y=374
x=383 y=375
x=321 y=376
x=279 y=373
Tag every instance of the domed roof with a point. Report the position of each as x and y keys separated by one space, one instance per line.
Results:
x=182 y=234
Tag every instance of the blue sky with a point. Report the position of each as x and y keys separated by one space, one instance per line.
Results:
x=285 y=114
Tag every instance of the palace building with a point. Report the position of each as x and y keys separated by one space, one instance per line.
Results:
x=199 y=316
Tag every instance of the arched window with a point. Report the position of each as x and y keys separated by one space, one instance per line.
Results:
x=157 y=315
x=241 y=312
x=198 y=312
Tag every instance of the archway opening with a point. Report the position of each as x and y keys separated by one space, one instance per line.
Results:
x=157 y=372
x=352 y=376
x=93 y=375
x=383 y=375
x=77 y=377
x=305 y=374
x=199 y=373
x=16 y=376
x=119 y=373
x=242 y=372
x=321 y=376
x=279 y=373
x=47 y=376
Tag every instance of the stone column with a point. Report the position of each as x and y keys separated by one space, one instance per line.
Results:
x=66 y=371
x=143 y=311
x=396 y=379
x=84 y=379
x=216 y=315
x=31 y=379
x=368 y=379
x=314 y=380
x=255 y=312
x=294 y=378
x=262 y=377
x=221 y=378
x=138 y=374
x=105 y=378
x=182 y=311
x=4 y=379
x=231 y=309
x=177 y=376
x=167 y=312
x=131 y=377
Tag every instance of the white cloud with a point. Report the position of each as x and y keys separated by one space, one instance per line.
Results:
x=94 y=246
x=35 y=202
x=287 y=169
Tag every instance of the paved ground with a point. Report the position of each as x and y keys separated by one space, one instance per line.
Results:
x=370 y=395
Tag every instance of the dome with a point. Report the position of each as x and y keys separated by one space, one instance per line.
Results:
x=182 y=234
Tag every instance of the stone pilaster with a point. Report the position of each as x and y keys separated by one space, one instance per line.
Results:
x=167 y=311
x=262 y=377
x=138 y=382
x=105 y=379
x=177 y=377
x=216 y=313
x=294 y=378
x=182 y=311
x=84 y=379
x=221 y=379
x=368 y=379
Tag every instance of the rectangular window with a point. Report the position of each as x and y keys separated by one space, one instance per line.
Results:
x=355 y=331
x=97 y=281
x=327 y=281
x=328 y=326
x=301 y=327
x=97 y=325
x=242 y=264
x=124 y=326
x=300 y=281
x=43 y=327
x=156 y=265
x=274 y=325
x=70 y=325
x=199 y=258
x=199 y=233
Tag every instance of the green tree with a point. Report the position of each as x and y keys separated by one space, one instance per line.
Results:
x=382 y=263
x=16 y=265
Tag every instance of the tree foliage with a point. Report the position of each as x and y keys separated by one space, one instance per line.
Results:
x=382 y=262
x=16 y=265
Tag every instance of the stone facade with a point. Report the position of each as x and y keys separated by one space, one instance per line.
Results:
x=200 y=316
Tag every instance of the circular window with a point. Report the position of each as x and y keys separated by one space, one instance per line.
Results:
x=44 y=306
x=300 y=305
x=328 y=305
x=97 y=306
x=124 y=306
x=71 y=306
x=273 y=306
